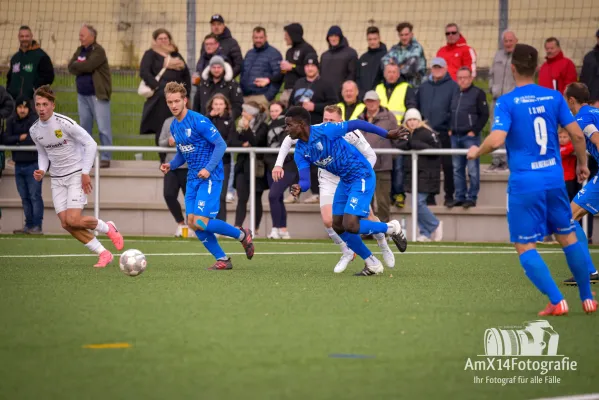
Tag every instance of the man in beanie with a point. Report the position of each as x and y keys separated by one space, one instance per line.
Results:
x=293 y=65
x=217 y=77
x=313 y=94
x=30 y=190
x=340 y=62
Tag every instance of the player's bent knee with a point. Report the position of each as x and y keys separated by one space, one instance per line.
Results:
x=351 y=224
x=524 y=247
x=201 y=223
x=566 y=240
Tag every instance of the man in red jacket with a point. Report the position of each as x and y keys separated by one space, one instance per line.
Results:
x=457 y=53
x=558 y=71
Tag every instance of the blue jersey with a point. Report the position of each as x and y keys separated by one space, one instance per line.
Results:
x=588 y=120
x=195 y=136
x=530 y=115
x=326 y=148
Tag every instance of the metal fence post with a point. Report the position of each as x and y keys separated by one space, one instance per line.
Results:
x=503 y=19
x=97 y=187
x=253 y=191
x=414 y=197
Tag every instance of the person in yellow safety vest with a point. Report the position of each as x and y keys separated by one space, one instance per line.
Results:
x=351 y=108
x=396 y=94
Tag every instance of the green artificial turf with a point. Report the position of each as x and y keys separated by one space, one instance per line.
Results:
x=269 y=329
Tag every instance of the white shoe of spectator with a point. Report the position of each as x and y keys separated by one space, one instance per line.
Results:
x=312 y=199
x=179 y=231
x=274 y=234
x=423 y=238
x=290 y=200
x=437 y=235
x=284 y=234
x=230 y=197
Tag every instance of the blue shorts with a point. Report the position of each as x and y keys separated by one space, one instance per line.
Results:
x=202 y=197
x=532 y=216
x=588 y=196
x=354 y=198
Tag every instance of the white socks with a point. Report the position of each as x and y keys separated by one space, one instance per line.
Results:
x=241 y=235
x=372 y=260
x=102 y=226
x=391 y=229
x=381 y=240
x=337 y=240
x=95 y=245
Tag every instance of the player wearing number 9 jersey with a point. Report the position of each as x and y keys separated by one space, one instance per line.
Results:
x=527 y=119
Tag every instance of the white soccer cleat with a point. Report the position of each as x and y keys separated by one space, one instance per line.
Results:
x=388 y=257
x=346 y=258
x=370 y=270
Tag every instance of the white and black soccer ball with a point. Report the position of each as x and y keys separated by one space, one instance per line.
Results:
x=133 y=262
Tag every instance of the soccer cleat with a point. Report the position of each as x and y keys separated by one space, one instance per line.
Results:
x=589 y=306
x=247 y=243
x=370 y=270
x=560 y=308
x=221 y=265
x=115 y=236
x=346 y=258
x=572 y=281
x=105 y=258
x=398 y=236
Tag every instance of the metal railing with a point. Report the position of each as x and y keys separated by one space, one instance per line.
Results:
x=252 y=151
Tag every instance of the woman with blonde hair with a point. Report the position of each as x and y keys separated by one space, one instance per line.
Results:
x=219 y=111
x=420 y=136
x=163 y=54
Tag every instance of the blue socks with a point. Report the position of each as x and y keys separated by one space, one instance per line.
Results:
x=211 y=244
x=371 y=227
x=577 y=259
x=354 y=242
x=222 y=228
x=584 y=242
x=538 y=273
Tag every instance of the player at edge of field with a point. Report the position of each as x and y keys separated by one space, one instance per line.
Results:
x=69 y=151
x=328 y=184
x=324 y=146
x=201 y=145
x=577 y=96
x=526 y=120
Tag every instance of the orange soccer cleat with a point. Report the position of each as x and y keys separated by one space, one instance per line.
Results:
x=560 y=308
x=115 y=236
x=106 y=258
x=589 y=306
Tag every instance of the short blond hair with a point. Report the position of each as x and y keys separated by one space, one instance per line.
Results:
x=174 y=87
x=333 y=108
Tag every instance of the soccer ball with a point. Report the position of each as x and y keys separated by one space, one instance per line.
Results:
x=133 y=262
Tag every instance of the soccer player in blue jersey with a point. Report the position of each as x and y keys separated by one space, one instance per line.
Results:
x=324 y=146
x=527 y=119
x=587 y=200
x=200 y=145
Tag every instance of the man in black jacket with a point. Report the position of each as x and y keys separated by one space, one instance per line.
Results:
x=293 y=65
x=434 y=102
x=370 y=73
x=29 y=68
x=218 y=78
x=30 y=190
x=469 y=114
x=589 y=75
x=229 y=48
x=339 y=62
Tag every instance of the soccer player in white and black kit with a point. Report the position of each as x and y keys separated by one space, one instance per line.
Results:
x=69 y=151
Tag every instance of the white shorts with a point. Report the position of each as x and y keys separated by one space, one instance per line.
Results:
x=67 y=192
x=327 y=183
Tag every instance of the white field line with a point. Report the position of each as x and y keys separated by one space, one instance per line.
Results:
x=285 y=253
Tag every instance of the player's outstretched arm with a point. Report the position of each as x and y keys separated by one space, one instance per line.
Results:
x=366 y=127
x=491 y=143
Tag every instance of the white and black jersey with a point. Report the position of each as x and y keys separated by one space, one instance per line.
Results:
x=63 y=145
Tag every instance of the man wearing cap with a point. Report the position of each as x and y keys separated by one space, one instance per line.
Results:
x=434 y=102
x=228 y=45
x=292 y=67
x=589 y=75
x=217 y=77
x=313 y=94
x=380 y=116
x=339 y=62
x=350 y=107
x=30 y=190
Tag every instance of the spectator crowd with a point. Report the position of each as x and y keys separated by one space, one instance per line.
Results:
x=246 y=98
